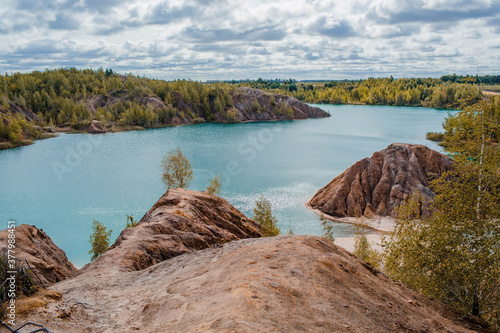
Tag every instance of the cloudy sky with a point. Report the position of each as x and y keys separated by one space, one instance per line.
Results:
x=229 y=39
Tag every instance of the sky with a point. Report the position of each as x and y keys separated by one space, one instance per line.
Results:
x=226 y=39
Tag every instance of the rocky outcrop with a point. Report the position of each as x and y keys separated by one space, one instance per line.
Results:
x=375 y=186
x=283 y=284
x=12 y=113
x=254 y=104
x=22 y=110
x=180 y=222
x=95 y=127
x=48 y=261
x=248 y=104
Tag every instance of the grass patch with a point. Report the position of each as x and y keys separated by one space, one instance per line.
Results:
x=10 y=145
x=495 y=88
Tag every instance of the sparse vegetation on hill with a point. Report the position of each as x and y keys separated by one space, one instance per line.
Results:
x=23 y=281
x=32 y=104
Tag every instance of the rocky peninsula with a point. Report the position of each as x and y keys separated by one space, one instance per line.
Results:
x=373 y=187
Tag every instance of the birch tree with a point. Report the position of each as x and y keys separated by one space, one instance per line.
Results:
x=454 y=255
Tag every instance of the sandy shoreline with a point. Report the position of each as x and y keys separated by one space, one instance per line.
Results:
x=384 y=225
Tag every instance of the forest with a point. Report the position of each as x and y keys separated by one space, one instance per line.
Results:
x=30 y=103
x=34 y=104
x=433 y=93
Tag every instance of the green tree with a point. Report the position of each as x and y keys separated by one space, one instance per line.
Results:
x=263 y=215
x=177 y=172
x=15 y=132
x=214 y=185
x=454 y=255
x=99 y=239
x=327 y=228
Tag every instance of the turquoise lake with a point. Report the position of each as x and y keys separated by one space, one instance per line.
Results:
x=62 y=184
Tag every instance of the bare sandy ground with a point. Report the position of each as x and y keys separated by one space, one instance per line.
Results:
x=347 y=243
x=287 y=283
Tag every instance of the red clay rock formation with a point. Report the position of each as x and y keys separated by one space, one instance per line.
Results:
x=48 y=261
x=181 y=221
x=375 y=186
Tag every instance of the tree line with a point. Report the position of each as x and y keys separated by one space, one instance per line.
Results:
x=483 y=79
x=434 y=93
x=73 y=98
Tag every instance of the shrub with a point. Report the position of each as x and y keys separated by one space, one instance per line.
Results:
x=214 y=186
x=130 y=221
x=24 y=281
x=327 y=228
x=263 y=215
x=99 y=239
x=363 y=249
x=434 y=136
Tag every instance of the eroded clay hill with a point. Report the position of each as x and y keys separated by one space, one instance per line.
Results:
x=375 y=186
x=48 y=261
x=282 y=284
x=181 y=221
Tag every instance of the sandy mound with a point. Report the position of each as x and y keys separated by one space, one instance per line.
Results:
x=283 y=284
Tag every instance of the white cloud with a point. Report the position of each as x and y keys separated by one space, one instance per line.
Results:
x=228 y=39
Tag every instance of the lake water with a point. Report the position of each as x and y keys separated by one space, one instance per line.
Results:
x=62 y=184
